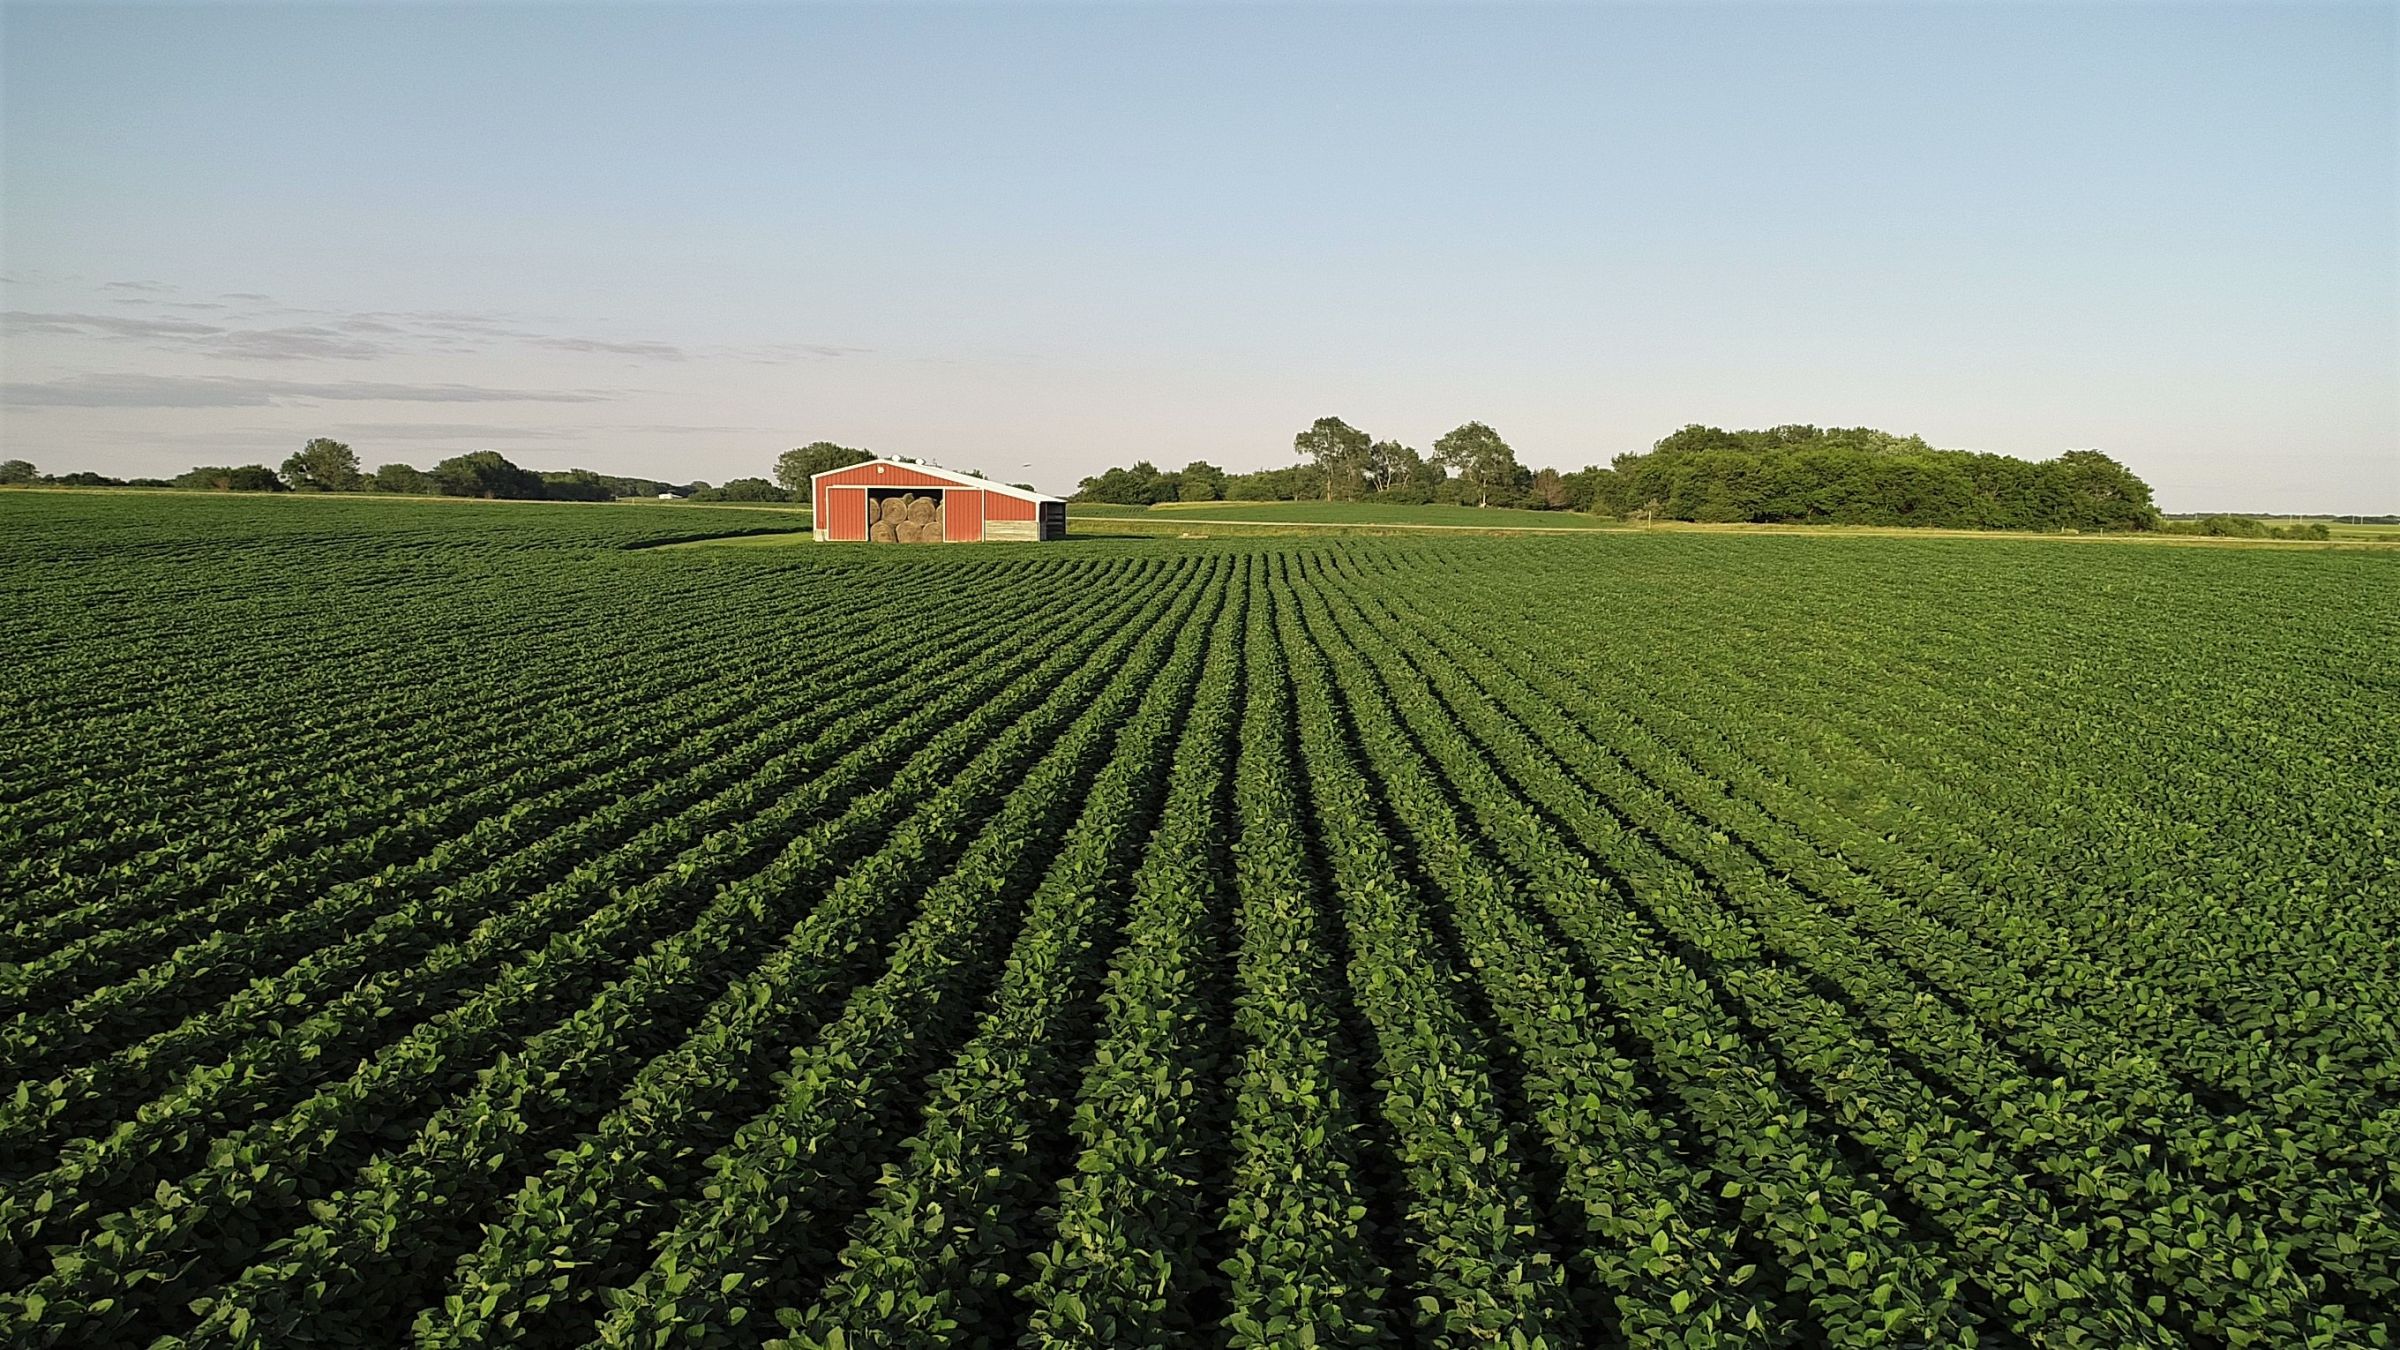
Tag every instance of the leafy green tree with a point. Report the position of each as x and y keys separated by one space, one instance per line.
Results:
x=1138 y=484
x=18 y=472
x=577 y=485
x=1261 y=486
x=2222 y=527
x=1418 y=480
x=1200 y=481
x=590 y=485
x=485 y=473
x=402 y=478
x=220 y=478
x=324 y=465
x=794 y=468
x=1339 y=451
x=744 y=490
x=1863 y=476
x=1694 y=439
x=617 y=484
x=2102 y=494
x=1588 y=489
x=1550 y=490
x=1391 y=464
x=1483 y=461
x=1298 y=483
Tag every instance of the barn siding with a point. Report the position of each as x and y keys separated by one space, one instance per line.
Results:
x=962 y=515
x=1001 y=506
x=884 y=476
x=845 y=514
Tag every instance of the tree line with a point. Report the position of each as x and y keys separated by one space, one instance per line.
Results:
x=1861 y=476
x=1795 y=474
x=2243 y=527
x=1471 y=465
x=328 y=465
x=1788 y=474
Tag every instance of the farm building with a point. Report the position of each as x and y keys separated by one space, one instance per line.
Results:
x=887 y=501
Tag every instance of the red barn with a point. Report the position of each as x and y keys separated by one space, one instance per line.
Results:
x=887 y=501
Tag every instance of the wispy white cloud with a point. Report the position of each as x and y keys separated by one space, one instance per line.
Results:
x=656 y=351
x=367 y=434
x=106 y=325
x=268 y=333
x=179 y=391
x=298 y=344
x=252 y=326
x=776 y=353
x=305 y=342
x=456 y=431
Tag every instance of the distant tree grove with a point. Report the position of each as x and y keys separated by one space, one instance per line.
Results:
x=1788 y=474
x=328 y=465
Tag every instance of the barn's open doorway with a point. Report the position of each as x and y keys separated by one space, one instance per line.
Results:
x=903 y=516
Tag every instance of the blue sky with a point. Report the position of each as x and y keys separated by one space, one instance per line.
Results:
x=676 y=240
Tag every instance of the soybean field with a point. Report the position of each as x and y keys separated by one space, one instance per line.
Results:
x=467 y=924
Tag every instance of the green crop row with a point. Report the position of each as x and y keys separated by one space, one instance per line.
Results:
x=451 y=924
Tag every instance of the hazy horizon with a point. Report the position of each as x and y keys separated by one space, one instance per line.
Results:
x=1039 y=241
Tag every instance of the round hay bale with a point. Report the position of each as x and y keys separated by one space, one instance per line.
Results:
x=885 y=532
x=874 y=511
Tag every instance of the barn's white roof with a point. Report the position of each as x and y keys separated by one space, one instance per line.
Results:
x=937 y=471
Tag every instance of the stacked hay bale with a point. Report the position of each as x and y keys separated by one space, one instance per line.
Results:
x=905 y=519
